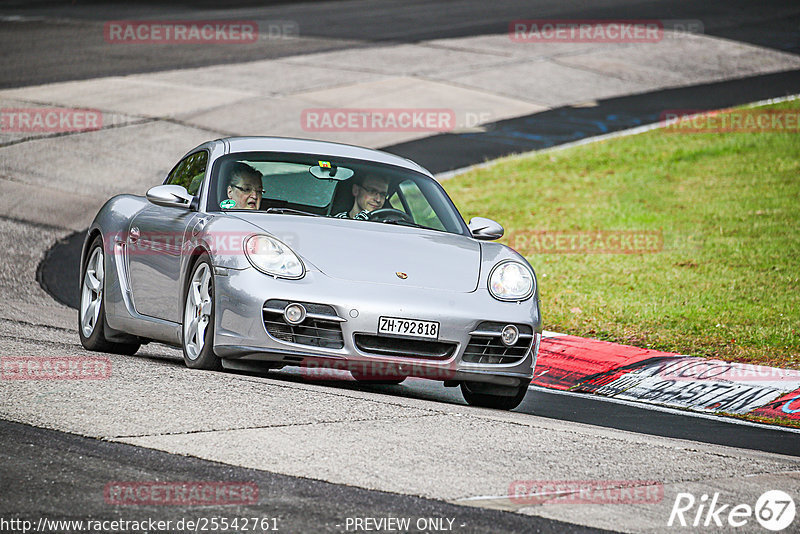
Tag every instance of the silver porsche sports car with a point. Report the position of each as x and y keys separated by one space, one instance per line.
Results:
x=260 y=252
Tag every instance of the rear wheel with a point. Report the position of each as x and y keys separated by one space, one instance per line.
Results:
x=92 y=313
x=493 y=396
x=198 y=318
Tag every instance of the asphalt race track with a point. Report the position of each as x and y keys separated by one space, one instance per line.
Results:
x=324 y=452
x=298 y=504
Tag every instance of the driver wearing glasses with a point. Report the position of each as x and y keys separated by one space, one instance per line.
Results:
x=244 y=189
x=368 y=195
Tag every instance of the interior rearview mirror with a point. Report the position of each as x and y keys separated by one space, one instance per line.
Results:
x=330 y=172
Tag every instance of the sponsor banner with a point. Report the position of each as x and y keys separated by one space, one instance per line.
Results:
x=585 y=492
x=49 y=120
x=784 y=407
x=693 y=369
x=664 y=382
x=195 y=493
x=754 y=120
x=564 y=362
x=669 y=379
x=55 y=367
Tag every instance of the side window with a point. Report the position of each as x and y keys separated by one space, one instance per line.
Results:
x=396 y=203
x=190 y=172
x=418 y=205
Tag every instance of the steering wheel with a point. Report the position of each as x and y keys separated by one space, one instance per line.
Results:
x=389 y=214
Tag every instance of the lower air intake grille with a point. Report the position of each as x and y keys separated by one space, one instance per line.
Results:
x=322 y=327
x=409 y=348
x=485 y=345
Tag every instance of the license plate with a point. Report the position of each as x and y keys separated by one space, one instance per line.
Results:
x=408 y=327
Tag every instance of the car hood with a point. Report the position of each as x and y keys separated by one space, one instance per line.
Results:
x=379 y=253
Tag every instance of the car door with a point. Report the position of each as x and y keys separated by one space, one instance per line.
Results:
x=155 y=245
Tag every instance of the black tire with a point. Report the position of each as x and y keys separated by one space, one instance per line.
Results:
x=197 y=354
x=492 y=396
x=92 y=333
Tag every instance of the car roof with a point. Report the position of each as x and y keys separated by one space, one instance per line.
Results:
x=309 y=146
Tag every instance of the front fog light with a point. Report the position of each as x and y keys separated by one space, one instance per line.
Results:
x=294 y=313
x=510 y=335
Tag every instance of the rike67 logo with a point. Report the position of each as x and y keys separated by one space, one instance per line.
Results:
x=774 y=510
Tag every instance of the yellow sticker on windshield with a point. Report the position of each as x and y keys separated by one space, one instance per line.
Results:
x=324 y=164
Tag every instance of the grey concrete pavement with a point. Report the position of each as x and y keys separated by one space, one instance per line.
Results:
x=488 y=77
x=55 y=41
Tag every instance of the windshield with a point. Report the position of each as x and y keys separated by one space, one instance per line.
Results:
x=325 y=186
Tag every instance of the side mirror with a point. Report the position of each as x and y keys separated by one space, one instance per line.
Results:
x=485 y=229
x=174 y=196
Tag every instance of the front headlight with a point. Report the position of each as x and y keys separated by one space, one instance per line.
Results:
x=272 y=257
x=510 y=280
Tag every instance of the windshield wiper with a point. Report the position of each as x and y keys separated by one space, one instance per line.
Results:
x=291 y=211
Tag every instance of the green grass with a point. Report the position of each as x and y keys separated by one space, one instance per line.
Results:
x=726 y=283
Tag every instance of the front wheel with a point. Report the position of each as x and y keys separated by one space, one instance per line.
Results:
x=492 y=396
x=198 y=318
x=92 y=311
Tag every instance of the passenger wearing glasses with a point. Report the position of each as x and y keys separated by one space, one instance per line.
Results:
x=245 y=187
x=369 y=195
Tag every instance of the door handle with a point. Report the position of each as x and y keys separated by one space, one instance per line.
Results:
x=134 y=235
x=199 y=225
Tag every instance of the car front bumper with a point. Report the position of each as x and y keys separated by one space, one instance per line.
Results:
x=240 y=333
